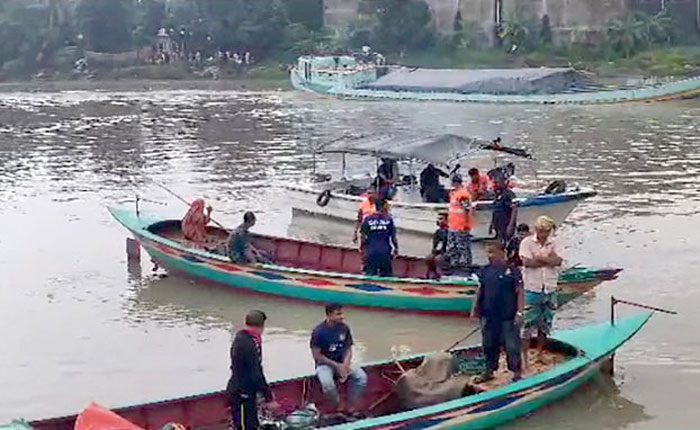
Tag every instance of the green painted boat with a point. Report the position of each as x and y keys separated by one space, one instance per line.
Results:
x=347 y=78
x=322 y=273
x=583 y=351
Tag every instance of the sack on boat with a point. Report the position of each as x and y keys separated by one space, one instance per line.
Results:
x=434 y=381
x=96 y=417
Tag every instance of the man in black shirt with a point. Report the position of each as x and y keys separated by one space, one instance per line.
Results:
x=430 y=188
x=247 y=378
x=504 y=210
x=436 y=259
x=499 y=304
x=513 y=246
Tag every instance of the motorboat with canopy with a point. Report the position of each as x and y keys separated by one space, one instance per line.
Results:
x=341 y=197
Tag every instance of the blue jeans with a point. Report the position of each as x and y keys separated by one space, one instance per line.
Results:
x=326 y=374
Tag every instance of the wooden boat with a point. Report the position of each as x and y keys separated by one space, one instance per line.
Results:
x=581 y=353
x=320 y=272
x=350 y=79
x=343 y=195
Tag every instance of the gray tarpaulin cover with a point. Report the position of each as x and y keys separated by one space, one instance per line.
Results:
x=441 y=149
x=431 y=383
x=489 y=81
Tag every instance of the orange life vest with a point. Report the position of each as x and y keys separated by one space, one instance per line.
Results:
x=367 y=206
x=480 y=188
x=459 y=218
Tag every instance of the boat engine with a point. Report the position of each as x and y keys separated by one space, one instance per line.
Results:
x=557 y=186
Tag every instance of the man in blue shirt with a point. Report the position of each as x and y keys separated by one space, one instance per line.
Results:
x=331 y=347
x=378 y=236
x=499 y=305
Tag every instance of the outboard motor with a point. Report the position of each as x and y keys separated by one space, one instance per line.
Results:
x=557 y=186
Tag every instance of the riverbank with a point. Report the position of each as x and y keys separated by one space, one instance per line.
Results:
x=267 y=76
x=668 y=63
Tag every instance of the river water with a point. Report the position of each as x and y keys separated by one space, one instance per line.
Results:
x=76 y=324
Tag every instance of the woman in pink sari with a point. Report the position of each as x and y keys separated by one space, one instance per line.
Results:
x=194 y=224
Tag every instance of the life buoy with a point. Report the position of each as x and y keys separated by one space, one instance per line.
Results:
x=556 y=187
x=323 y=198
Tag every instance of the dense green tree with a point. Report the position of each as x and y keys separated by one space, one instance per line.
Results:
x=149 y=17
x=105 y=24
x=402 y=25
x=309 y=13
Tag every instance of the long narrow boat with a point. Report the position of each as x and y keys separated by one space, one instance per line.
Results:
x=347 y=78
x=582 y=353
x=322 y=273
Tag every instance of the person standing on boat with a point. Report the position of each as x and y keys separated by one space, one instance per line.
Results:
x=378 y=240
x=460 y=223
x=194 y=224
x=367 y=208
x=387 y=178
x=541 y=256
x=240 y=250
x=499 y=306
x=479 y=185
x=504 y=210
x=247 y=377
x=430 y=188
x=513 y=247
x=331 y=347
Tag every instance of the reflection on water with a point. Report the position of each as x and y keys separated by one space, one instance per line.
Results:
x=78 y=324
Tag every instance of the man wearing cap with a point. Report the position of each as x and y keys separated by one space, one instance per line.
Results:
x=460 y=223
x=247 y=377
x=541 y=257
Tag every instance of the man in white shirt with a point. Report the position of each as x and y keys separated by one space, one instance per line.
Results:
x=541 y=256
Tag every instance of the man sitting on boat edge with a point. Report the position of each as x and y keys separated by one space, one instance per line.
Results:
x=331 y=347
x=247 y=377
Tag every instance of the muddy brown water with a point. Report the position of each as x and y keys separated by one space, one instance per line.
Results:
x=77 y=324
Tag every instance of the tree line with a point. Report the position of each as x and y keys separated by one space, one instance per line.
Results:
x=44 y=34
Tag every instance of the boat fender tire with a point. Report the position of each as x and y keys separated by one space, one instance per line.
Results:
x=323 y=198
x=557 y=186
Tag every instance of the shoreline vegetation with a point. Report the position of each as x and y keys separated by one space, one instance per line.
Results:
x=253 y=44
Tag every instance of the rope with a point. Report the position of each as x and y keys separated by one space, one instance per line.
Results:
x=643 y=306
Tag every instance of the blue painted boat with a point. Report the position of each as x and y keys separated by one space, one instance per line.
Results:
x=582 y=353
x=322 y=273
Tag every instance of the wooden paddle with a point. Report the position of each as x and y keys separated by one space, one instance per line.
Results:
x=187 y=203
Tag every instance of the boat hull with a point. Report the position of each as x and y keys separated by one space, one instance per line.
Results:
x=452 y=296
x=421 y=217
x=687 y=88
x=593 y=345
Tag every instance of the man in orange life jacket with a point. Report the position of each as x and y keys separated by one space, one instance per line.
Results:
x=367 y=207
x=479 y=186
x=460 y=223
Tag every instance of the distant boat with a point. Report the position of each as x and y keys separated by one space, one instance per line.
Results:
x=323 y=273
x=581 y=353
x=347 y=77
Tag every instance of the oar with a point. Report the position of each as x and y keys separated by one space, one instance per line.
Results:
x=470 y=334
x=186 y=202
